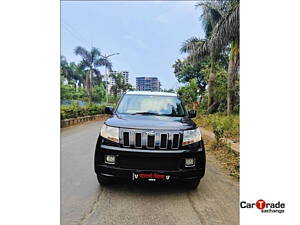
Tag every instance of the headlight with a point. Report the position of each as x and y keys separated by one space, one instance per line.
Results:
x=191 y=136
x=110 y=133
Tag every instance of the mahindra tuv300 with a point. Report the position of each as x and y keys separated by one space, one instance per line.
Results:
x=150 y=136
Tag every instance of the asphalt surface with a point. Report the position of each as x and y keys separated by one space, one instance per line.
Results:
x=84 y=201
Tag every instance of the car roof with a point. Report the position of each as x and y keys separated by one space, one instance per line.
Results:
x=156 y=93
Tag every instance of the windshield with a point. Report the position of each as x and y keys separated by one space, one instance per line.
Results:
x=151 y=105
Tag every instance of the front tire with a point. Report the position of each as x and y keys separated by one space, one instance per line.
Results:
x=103 y=180
x=192 y=183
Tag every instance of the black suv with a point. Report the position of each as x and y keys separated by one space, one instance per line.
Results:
x=150 y=136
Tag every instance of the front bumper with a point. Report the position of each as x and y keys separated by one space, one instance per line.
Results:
x=168 y=162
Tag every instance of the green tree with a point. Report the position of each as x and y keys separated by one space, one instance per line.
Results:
x=120 y=86
x=66 y=91
x=69 y=92
x=219 y=93
x=220 y=90
x=99 y=93
x=65 y=70
x=227 y=32
x=198 y=48
x=71 y=72
x=77 y=74
x=90 y=62
x=221 y=24
x=63 y=66
x=186 y=71
x=189 y=93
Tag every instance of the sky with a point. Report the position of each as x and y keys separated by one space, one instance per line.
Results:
x=148 y=35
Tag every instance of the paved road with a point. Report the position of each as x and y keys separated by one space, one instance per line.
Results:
x=84 y=201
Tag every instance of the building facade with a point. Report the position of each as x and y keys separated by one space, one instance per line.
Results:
x=112 y=82
x=147 y=84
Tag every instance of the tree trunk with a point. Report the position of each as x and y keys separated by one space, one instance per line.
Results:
x=83 y=82
x=211 y=81
x=89 y=86
x=232 y=75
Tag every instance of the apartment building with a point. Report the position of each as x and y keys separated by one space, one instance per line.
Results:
x=147 y=84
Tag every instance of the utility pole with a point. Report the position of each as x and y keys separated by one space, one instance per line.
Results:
x=106 y=74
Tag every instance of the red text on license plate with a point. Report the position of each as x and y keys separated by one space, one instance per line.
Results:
x=150 y=176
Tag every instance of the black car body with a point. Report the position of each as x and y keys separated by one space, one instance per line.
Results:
x=150 y=145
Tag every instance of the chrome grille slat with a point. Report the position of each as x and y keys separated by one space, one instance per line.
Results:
x=144 y=139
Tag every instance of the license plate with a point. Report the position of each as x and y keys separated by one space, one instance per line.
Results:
x=150 y=176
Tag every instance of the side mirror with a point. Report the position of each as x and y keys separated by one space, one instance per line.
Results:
x=192 y=113
x=109 y=110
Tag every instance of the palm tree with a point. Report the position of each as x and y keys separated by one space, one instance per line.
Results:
x=77 y=74
x=90 y=62
x=221 y=25
x=64 y=67
x=198 y=48
x=71 y=72
x=227 y=32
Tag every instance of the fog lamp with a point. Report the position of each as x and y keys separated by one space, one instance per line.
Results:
x=189 y=162
x=110 y=159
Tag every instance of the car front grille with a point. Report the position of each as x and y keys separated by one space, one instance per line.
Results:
x=150 y=139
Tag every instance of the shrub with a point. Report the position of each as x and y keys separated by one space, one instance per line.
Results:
x=218 y=127
x=69 y=92
x=189 y=93
x=74 y=111
x=221 y=125
x=99 y=93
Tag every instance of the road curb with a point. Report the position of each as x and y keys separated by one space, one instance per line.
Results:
x=78 y=120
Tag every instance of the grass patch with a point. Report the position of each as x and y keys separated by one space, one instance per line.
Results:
x=227 y=158
x=221 y=125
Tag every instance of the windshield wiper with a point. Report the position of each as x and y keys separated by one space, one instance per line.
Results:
x=156 y=114
x=146 y=113
x=172 y=115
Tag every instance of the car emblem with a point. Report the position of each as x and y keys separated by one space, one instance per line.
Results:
x=152 y=132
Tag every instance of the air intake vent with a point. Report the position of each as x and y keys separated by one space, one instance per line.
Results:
x=163 y=141
x=138 y=140
x=126 y=139
x=151 y=141
x=175 y=141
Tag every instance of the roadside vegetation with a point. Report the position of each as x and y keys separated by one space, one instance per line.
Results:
x=209 y=72
x=212 y=62
x=83 y=87
x=74 y=110
x=228 y=159
x=209 y=77
x=223 y=126
x=83 y=81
